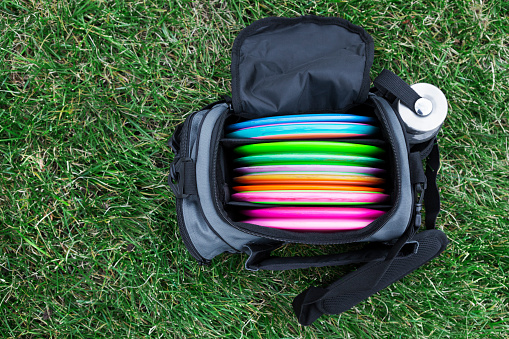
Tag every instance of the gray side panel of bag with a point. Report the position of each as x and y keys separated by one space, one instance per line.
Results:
x=206 y=242
x=203 y=238
x=396 y=225
x=209 y=237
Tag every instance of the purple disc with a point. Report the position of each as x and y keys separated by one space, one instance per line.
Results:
x=306 y=168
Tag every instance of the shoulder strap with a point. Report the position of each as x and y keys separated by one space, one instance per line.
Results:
x=399 y=261
x=367 y=280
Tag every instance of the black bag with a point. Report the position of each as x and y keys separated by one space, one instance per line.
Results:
x=307 y=65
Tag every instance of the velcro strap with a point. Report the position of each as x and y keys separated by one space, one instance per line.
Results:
x=388 y=82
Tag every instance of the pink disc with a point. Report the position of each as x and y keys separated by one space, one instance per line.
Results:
x=311 y=225
x=310 y=197
x=313 y=212
x=309 y=168
x=311 y=136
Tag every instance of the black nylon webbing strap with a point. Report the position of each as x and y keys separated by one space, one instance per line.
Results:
x=428 y=178
x=355 y=287
x=190 y=178
x=432 y=195
x=417 y=174
x=307 y=305
x=388 y=82
x=426 y=150
x=260 y=259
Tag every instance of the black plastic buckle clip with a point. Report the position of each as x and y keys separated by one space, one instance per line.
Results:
x=420 y=188
x=176 y=178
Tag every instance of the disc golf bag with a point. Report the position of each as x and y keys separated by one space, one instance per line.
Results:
x=303 y=66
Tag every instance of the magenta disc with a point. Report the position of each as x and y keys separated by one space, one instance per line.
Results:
x=311 y=197
x=311 y=225
x=310 y=168
x=313 y=212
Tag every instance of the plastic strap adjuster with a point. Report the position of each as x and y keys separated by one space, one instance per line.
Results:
x=182 y=179
x=420 y=188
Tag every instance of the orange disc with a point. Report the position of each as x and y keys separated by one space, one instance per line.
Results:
x=308 y=178
x=275 y=187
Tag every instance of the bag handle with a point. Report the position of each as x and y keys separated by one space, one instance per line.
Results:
x=260 y=258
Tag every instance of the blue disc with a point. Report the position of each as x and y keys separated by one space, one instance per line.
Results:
x=282 y=119
x=303 y=130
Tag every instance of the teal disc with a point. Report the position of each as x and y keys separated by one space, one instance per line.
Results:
x=308 y=158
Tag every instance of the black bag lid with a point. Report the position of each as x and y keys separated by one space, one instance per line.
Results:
x=307 y=64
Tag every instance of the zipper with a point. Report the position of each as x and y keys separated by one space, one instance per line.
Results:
x=415 y=218
x=391 y=139
x=221 y=213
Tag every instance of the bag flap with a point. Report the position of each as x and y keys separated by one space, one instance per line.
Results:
x=307 y=64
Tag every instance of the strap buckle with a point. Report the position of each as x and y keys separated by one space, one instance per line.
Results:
x=176 y=179
x=420 y=188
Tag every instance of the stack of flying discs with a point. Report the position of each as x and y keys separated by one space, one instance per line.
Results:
x=315 y=186
x=305 y=126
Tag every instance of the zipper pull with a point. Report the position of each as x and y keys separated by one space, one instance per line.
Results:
x=228 y=100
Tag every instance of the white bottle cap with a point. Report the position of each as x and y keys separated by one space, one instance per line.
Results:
x=431 y=112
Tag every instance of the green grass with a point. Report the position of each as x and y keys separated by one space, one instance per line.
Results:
x=90 y=91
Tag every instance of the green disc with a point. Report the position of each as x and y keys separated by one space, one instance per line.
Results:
x=328 y=147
